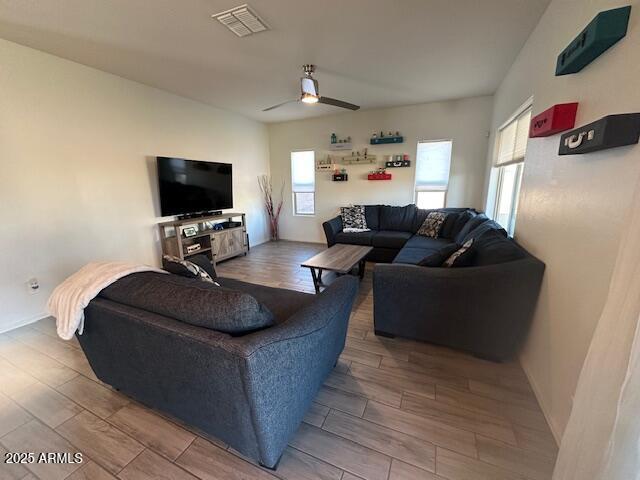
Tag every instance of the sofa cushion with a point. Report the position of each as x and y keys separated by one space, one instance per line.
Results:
x=399 y=219
x=469 y=226
x=438 y=257
x=432 y=225
x=484 y=227
x=372 y=214
x=355 y=238
x=281 y=302
x=204 y=263
x=418 y=241
x=462 y=257
x=390 y=239
x=493 y=247
x=191 y=301
x=353 y=218
x=456 y=222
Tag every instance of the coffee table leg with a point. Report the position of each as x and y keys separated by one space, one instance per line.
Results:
x=316 y=282
x=319 y=275
x=361 y=267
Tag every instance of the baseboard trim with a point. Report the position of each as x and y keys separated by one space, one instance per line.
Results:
x=23 y=323
x=536 y=391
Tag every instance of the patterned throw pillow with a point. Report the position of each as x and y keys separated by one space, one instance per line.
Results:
x=462 y=257
x=353 y=219
x=185 y=268
x=432 y=224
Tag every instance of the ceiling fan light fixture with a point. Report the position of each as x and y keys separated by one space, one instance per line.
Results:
x=308 y=98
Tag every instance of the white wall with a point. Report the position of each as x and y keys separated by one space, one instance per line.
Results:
x=465 y=121
x=572 y=208
x=77 y=178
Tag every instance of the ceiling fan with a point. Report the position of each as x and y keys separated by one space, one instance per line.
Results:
x=309 y=93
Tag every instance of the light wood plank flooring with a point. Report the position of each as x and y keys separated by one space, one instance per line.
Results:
x=391 y=410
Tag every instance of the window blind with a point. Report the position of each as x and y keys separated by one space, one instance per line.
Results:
x=513 y=137
x=303 y=171
x=433 y=162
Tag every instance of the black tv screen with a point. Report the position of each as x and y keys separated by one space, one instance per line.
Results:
x=190 y=186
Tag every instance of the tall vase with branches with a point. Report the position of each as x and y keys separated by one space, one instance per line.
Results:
x=272 y=205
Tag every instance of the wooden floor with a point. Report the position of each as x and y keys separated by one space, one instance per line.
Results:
x=393 y=409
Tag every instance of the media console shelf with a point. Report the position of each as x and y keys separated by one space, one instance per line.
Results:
x=192 y=236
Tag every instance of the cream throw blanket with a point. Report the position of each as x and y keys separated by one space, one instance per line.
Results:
x=69 y=299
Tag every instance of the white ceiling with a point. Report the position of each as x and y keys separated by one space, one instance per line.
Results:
x=374 y=53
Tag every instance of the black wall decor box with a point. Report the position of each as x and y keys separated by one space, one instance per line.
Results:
x=608 y=132
x=603 y=31
x=397 y=164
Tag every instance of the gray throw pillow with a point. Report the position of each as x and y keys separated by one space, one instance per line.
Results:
x=191 y=301
x=432 y=224
x=185 y=268
x=461 y=257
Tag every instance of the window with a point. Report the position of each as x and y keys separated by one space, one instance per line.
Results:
x=433 y=162
x=303 y=182
x=508 y=167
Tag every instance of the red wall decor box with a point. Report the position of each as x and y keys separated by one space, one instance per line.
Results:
x=554 y=120
x=379 y=176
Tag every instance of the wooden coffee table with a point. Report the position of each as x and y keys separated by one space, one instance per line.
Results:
x=340 y=258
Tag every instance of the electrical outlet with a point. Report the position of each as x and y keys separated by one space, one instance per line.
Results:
x=33 y=285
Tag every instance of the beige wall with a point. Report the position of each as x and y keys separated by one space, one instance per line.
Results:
x=465 y=121
x=77 y=181
x=572 y=208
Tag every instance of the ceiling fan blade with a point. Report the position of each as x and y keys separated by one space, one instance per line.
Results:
x=279 y=105
x=338 y=103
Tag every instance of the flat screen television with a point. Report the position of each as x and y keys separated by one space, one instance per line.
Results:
x=191 y=186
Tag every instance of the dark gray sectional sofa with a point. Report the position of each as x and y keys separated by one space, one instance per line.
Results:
x=249 y=389
x=484 y=308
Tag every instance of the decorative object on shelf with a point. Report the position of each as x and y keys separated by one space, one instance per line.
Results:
x=272 y=205
x=605 y=30
x=358 y=157
x=554 y=120
x=190 y=231
x=390 y=138
x=334 y=138
x=193 y=248
x=379 y=174
x=327 y=164
x=608 y=132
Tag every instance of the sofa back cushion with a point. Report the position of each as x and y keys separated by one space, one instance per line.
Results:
x=469 y=226
x=484 y=227
x=372 y=214
x=191 y=301
x=400 y=219
x=492 y=247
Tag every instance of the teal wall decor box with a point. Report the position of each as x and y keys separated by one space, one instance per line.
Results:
x=604 y=31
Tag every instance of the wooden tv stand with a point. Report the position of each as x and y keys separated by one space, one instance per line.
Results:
x=218 y=245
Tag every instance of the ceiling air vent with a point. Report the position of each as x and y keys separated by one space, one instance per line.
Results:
x=241 y=20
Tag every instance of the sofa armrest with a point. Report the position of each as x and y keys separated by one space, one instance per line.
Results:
x=486 y=310
x=286 y=365
x=331 y=229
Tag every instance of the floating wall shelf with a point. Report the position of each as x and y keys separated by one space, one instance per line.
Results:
x=397 y=163
x=340 y=177
x=358 y=159
x=379 y=176
x=605 y=30
x=340 y=146
x=608 y=132
x=554 y=120
x=384 y=140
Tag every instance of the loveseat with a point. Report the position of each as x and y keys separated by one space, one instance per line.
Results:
x=146 y=336
x=484 y=308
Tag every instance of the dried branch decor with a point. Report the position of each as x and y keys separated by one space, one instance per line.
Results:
x=273 y=210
